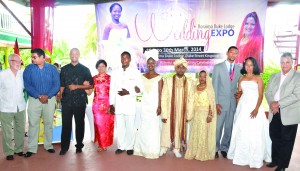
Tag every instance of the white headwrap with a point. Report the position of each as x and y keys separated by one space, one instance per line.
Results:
x=153 y=53
x=182 y=61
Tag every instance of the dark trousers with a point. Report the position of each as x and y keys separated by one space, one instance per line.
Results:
x=283 y=139
x=67 y=115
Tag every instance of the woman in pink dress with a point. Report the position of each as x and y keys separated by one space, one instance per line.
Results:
x=103 y=119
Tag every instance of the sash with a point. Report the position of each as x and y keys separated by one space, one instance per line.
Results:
x=183 y=112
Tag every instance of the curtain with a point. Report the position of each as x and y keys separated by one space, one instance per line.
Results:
x=42 y=20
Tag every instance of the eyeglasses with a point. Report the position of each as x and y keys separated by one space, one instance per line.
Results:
x=34 y=57
x=16 y=61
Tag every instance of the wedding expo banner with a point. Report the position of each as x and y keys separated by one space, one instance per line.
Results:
x=198 y=30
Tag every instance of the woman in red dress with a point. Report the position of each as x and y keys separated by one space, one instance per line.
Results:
x=250 y=41
x=103 y=119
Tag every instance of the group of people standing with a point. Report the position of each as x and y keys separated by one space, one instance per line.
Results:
x=41 y=81
x=248 y=138
x=44 y=85
x=194 y=118
x=239 y=94
x=224 y=113
x=244 y=134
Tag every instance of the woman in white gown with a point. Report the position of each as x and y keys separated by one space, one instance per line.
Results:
x=147 y=142
x=116 y=39
x=250 y=142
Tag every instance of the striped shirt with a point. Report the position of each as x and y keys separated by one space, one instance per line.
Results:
x=43 y=81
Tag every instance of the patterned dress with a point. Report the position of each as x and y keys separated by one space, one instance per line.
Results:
x=202 y=140
x=103 y=121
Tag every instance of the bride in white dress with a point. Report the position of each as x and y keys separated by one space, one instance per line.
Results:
x=116 y=39
x=250 y=142
x=147 y=142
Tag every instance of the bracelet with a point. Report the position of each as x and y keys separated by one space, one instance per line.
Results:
x=210 y=116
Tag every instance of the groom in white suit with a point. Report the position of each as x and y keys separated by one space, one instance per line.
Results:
x=283 y=94
x=225 y=77
x=124 y=86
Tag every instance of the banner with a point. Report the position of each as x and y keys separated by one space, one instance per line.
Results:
x=57 y=126
x=201 y=31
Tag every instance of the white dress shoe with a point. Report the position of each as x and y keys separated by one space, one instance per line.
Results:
x=161 y=153
x=177 y=154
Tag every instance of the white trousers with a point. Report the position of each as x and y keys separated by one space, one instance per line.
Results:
x=90 y=116
x=126 y=131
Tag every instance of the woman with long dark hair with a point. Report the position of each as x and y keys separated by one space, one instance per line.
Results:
x=250 y=142
x=250 y=41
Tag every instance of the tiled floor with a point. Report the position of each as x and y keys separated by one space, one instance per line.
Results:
x=92 y=160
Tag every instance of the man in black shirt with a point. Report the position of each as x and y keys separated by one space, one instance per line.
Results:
x=74 y=100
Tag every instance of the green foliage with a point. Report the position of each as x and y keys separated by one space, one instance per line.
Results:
x=25 y=55
x=270 y=69
x=91 y=38
x=1 y=56
x=60 y=52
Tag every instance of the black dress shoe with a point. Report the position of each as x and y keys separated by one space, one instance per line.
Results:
x=20 y=154
x=272 y=164
x=51 y=150
x=217 y=155
x=9 y=157
x=118 y=151
x=130 y=152
x=78 y=150
x=224 y=154
x=62 y=152
x=28 y=154
x=280 y=169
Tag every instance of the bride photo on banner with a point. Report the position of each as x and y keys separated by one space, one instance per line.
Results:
x=179 y=29
x=116 y=39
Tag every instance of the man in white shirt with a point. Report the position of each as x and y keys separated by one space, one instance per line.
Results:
x=124 y=86
x=282 y=94
x=12 y=107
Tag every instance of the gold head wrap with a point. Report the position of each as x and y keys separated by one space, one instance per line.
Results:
x=182 y=61
x=153 y=53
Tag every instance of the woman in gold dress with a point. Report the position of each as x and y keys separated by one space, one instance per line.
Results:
x=202 y=140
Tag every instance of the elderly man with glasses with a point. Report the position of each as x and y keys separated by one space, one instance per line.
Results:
x=12 y=108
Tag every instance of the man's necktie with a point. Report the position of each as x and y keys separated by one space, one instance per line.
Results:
x=230 y=69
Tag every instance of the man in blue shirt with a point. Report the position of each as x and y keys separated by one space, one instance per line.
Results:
x=41 y=80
